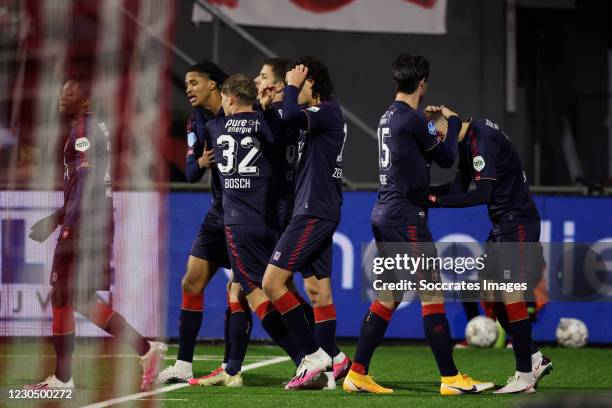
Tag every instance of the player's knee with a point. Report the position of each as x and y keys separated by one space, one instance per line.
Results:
x=271 y=287
x=197 y=275
x=235 y=293
x=191 y=284
x=318 y=291
x=187 y=286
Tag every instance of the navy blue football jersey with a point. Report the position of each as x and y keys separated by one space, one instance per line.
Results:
x=404 y=141
x=197 y=140
x=486 y=153
x=319 y=171
x=87 y=178
x=243 y=154
x=285 y=160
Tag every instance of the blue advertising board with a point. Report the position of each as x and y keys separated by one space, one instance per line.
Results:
x=564 y=219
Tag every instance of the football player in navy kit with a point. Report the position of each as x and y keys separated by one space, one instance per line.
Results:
x=407 y=146
x=270 y=87
x=488 y=158
x=306 y=243
x=209 y=251
x=245 y=154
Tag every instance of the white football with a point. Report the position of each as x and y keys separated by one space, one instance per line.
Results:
x=481 y=331
x=572 y=333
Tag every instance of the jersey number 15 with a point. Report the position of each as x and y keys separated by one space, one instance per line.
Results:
x=384 y=154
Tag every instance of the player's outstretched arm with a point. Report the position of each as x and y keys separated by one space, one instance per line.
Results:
x=480 y=195
x=444 y=153
x=459 y=185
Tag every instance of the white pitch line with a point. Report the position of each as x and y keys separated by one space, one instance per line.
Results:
x=173 y=387
x=203 y=357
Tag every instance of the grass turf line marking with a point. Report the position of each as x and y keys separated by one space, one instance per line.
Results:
x=173 y=387
x=203 y=357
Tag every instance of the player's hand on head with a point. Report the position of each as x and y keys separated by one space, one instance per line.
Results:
x=297 y=75
x=43 y=228
x=266 y=96
x=208 y=159
x=446 y=112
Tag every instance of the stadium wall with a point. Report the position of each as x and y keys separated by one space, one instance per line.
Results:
x=564 y=219
x=562 y=61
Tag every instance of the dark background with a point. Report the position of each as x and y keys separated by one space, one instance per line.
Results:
x=562 y=71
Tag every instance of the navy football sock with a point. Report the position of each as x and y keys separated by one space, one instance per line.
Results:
x=502 y=318
x=226 y=335
x=437 y=333
x=239 y=335
x=189 y=327
x=293 y=315
x=325 y=335
x=64 y=347
x=309 y=313
x=520 y=327
x=278 y=332
x=521 y=344
x=121 y=329
x=233 y=367
x=325 y=328
x=372 y=331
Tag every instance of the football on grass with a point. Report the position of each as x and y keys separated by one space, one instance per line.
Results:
x=572 y=333
x=481 y=331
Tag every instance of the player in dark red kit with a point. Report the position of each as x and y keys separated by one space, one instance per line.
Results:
x=245 y=155
x=209 y=251
x=81 y=261
x=407 y=147
x=488 y=158
x=306 y=243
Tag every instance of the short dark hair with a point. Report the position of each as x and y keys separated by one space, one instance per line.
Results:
x=318 y=72
x=408 y=69
x=210 y=69
x=83 y=80
x=242 y=87
x=279 y=67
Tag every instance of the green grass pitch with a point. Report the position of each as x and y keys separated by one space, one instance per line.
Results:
x=102 y=372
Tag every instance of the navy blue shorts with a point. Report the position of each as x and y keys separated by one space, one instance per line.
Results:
x=210 y=244
x=250 y=247
x=306 y=246
x=514 y=253
x=414 y=240
x=81 y=264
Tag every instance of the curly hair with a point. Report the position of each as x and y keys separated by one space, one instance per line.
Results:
x=318 y=72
